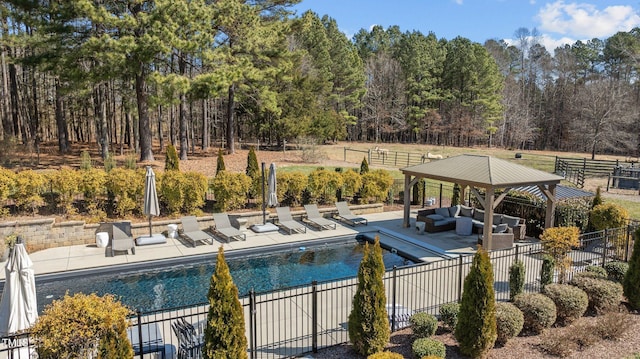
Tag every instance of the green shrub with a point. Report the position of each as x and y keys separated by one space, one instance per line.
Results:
x=110 y=163
x=220 y=167
x=72 y=326
x=557 y=242
x=224 y=334
x=597 y=199
x=571 y=302
x=385 y=355
x=323 y=185
x=131 y=162
x=455 y=196
x=616 y=270
x=195 y=190
x=92 y=185
x=364 y=166
x=351 y=183
x=539 y=311
x=27 y=191
x=546 y=271
x=423 y=347
x=449 y=315
x=85 y=161
x=601 y=272
x=230 y=190
x=375 y=185
x=604 y=295
x=509 y=321
x=631 y=282
x=66 y=183
x=127 y=189
x=7 y=184
x=476 y=327
x=172 y=190
x=423 y=324
x=608 y=215
x=171 y=159
x=516 y=278
x=290 y=187
x=368 y=322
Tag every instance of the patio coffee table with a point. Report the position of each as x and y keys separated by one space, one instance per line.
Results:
x=464 y=226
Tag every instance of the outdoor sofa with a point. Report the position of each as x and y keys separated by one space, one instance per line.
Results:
x=444 y=219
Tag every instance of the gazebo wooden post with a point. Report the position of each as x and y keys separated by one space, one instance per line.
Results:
x=551 y=206
x=487 y=230
x=407 y=201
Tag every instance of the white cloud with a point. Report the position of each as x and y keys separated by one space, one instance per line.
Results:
x=548 y=42
x=582 y=20
x=459 y=2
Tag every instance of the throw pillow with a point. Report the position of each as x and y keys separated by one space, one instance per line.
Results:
x=501 y=228
x=466 y=211
x=497 y=219
x=510 y=221
x=444 y=212
x=478 y=215
x=453 y=211
x=435 y=217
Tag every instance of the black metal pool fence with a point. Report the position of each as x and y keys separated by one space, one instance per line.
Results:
x=298 y=320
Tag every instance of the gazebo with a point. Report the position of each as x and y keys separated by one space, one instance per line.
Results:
x=482 y=172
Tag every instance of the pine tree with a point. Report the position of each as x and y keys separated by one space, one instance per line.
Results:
x=455 y=197
x=516 y=278
x=224 y=335
x=476 y=329
x=253 y=171
x=171 y=162
x=369 y=328
x=364 y=166
x=597 y=199
x=220 y=163
x=631 y=282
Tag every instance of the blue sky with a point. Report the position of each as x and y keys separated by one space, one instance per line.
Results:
x=557 y=22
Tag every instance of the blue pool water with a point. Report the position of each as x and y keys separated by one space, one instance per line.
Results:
x=183 y=285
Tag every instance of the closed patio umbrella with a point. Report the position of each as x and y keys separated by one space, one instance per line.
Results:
x=151 y=206
x=18 y=306
x=271 y=183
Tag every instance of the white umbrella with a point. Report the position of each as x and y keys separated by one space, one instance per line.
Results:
x=18 y=306
x=151 y=206
x=271 y=183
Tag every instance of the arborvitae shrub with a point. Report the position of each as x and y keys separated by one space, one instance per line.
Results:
x=455 y=196
x=516 y=278
x=597 y=270
x=631 y=282
x=571 y=302
x=110 y=163
x=423 y=347
x=539 y=311
x=253 y=171
x=351 y=183
x=224 y=334
x=130 y=162
x=220 y=167
x=195 y=190
x=375 y=185
x=368 y=324
x=85 y=161
x=604 y=295
x=597 y=199
x=546 y=271
x=72 y=326
x=171 y=191
x=616 y=270
x=364 y=166
x=608 y=215
x=385 y=355
x=171 y=159
x=476 y=328
x=423 y=324
x=230 y=190
x=449 y=315
x=509 y=321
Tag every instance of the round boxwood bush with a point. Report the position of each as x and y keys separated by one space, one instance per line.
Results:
x=598 y=270
x=616 y=270
x=385 y=355
x=423 y=347
x=604 y=295
x=571 y=301
x=539 y=311
x=449 y=315
x=423 y=324
x=509 y=321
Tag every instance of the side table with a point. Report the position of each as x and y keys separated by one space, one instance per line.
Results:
x=464 y=226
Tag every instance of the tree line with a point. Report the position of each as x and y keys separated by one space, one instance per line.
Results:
x=128 y=74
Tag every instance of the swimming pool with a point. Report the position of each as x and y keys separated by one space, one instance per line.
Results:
x=184 y=284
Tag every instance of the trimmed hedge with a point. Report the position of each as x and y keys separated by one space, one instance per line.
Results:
x=423 y=347
x=571 y=302
x=509 y=321
x=616 y=270
x=604 y=295
x=423 y=324
x=385 y=355
x=539 y=311
x=449 y=315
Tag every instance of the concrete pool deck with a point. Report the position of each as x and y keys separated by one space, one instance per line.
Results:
x=428 y=246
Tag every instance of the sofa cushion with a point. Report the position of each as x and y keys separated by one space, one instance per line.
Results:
x=435 y=217
x=497 y=219
x=453 y=211
x=444 y=212
x=478 y=215
x=500 y=228
x=466 y=211
x=510 y=221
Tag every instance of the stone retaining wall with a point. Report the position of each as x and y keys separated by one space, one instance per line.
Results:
x=46 y=233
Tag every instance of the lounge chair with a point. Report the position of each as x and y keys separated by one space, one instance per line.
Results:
x=286 y=222
x=191 y=230
x=344 y=214
x=121 y=238
x=316 y=219
x=224 y=229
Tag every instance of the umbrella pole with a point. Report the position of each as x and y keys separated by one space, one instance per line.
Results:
x=150 y=231
x=264 y=202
